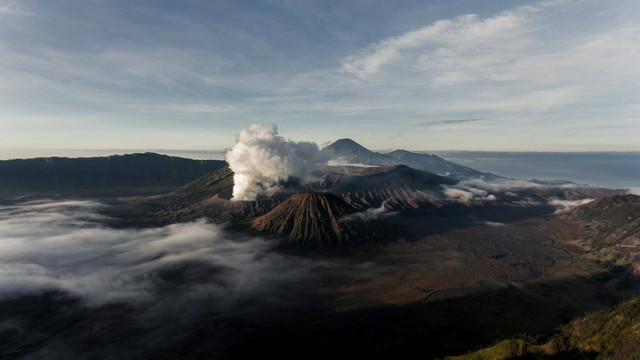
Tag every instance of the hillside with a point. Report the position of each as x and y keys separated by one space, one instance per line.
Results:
x=613 y=225
x=607 y=334
x=208 y=196
x=131 y=170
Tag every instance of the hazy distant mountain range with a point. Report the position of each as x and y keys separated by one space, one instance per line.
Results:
x=351 y=152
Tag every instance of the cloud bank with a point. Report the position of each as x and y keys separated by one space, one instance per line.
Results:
x=371 y=214
x=71 y=287
x=260 y=158
x=566 y=205
x=514 y=192
x=64 y=247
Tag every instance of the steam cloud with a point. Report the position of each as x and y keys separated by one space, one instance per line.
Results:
x=260 y=158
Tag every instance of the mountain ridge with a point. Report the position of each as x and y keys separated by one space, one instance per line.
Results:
x=138 y=169
x=352 y=152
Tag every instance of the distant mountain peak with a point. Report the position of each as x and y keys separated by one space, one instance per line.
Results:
x=399 y=151
x=347 y=146
x=346 y=141
x=354 y=153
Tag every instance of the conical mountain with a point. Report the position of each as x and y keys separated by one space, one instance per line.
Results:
x=314 y=220
x=348 y=147
x=354 y=153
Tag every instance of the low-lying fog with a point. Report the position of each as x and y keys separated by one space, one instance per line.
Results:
x=178 y=274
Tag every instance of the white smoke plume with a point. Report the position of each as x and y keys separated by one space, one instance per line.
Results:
x=260 y=158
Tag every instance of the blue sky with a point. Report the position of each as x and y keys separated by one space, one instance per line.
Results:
x=559 y=75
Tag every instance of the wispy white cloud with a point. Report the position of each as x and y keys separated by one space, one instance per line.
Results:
x=370 y=214
x=519 y=59
x=566 y=205
x=12 y=7
x=444 y=41
x=537 y=72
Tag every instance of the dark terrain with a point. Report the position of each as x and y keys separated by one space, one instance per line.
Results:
x=400 y=267
x=117 y=175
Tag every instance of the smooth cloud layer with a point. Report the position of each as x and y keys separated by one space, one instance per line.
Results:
x=260 y=158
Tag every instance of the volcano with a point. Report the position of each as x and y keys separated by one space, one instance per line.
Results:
x=314 y=220
x=399 y=187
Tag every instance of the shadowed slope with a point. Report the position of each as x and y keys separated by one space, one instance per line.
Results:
x=141 y=170
x=607 y=334
x=208 y=196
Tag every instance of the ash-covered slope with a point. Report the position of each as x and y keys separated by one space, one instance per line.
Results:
x=315 y=220
x=209 y=196
x=398 y=187
x=352 y=152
